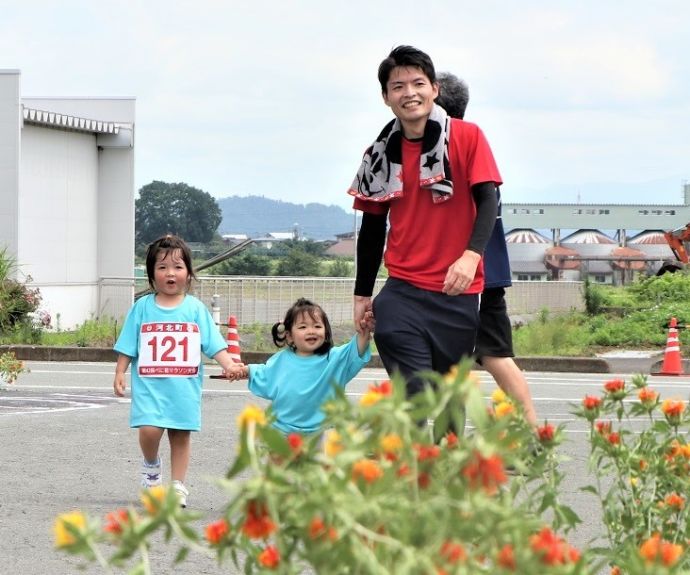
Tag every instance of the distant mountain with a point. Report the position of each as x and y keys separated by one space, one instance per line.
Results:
x=257 y=216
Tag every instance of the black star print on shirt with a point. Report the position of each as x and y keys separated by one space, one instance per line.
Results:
x=431 y=161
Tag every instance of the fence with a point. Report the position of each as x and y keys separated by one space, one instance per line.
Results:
x=264 y=300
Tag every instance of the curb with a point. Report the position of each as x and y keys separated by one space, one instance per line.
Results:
x=98 y=354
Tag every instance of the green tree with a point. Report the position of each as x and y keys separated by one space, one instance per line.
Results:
x=298 y=262
x=244 y=264
x=177 y=208
x=339 y=268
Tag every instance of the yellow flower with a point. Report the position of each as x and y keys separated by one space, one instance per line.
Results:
x=332 y=445
x=504 y=408
x=391 y=443
x=63 y=537
x=370 y=398
x=251 y=413
x=451 y=375
x=152 y=498
x=499 y=396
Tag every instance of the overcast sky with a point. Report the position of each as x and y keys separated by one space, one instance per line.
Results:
x=587 y=99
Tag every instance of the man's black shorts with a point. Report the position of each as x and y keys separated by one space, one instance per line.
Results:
x=495 y=334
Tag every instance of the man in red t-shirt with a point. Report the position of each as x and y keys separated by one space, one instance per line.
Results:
x=434 y=179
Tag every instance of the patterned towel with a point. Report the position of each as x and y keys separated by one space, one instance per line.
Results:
x=379 y=177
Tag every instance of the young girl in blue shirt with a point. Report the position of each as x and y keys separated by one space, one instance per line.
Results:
x=299 y=379
x=163 y=337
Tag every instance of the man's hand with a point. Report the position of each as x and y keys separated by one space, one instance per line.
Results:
x=461 y=274
x=362 y=305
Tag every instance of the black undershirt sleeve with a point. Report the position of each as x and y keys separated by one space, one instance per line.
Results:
x=486 y=200
x=370 y=244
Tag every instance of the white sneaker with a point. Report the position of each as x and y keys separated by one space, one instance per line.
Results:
x=182 y=492
x=151 y=474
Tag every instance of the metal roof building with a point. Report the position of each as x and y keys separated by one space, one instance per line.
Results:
x=67 y=194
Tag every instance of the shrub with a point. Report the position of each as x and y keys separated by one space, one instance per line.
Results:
x=371 y=494
x=17 y=300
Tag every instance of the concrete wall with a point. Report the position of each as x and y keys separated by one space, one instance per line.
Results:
x=10 y=114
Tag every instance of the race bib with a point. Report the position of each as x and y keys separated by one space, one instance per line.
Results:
x=169 y=349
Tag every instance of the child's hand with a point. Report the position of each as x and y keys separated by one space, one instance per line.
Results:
x=120 y=384
x=236 y=371
x=368 y=323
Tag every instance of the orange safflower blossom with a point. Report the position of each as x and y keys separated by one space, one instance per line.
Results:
x=366 y=469
x=427 y=452
x=258 y=524
x=451 y=440
x=552 y=549
x=251 y=414
x=453 y=552
x=615 y=388
x=152 y=498
x=115 y=521
x=319 y=530
x=504 y=409
x=647 y=396
x=546 y=433
x=295 y=442
x=269 y=557
x=332 y=443
x=615 y=570
x=63 y=536
x=215 y=532
x=499 y=396
x=590 y=402
x=376 y=393
x=506 y=557
x=655 y=550
x=614 y=438
x=603 y=427
x=675 y=501
x=673 y=410
x=485 y=472
x=391 y=443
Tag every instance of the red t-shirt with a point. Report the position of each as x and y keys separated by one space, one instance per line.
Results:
x=426 y=238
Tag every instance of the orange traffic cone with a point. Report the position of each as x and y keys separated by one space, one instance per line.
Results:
x=673 y=364
x=233 y=339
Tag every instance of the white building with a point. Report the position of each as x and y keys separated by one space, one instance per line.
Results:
x=67 y=194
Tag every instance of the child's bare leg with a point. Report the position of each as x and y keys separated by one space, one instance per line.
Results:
x=180 y=452
x=512 y=381
x=149 y=441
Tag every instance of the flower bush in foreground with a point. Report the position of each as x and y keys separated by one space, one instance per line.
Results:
x=10 y=367
x=376 y=493
x=640 y=459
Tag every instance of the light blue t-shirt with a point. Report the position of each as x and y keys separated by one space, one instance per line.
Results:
x=167 y=371
x=298 y=385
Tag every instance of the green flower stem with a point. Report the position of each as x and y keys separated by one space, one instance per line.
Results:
x=192 y=544
x=145 y=558
x=102 y=561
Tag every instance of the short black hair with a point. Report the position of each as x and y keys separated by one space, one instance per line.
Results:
x=405 y=56
x=453 y=95
x=167 y=244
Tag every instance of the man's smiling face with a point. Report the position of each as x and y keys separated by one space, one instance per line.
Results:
x=410 y=94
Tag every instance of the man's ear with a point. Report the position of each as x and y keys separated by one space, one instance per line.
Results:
x=384 y=95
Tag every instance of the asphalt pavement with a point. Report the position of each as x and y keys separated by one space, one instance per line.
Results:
x=67 y=445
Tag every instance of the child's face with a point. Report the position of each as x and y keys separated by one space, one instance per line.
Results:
x=170 y=274
x=307 y=334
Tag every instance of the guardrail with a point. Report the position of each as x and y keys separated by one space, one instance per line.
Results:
x=264 y=299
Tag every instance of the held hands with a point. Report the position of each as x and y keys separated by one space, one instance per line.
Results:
x=461 y=274
x=236 y=371
x=362 y=306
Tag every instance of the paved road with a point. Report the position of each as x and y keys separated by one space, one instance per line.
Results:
x=66 y=445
